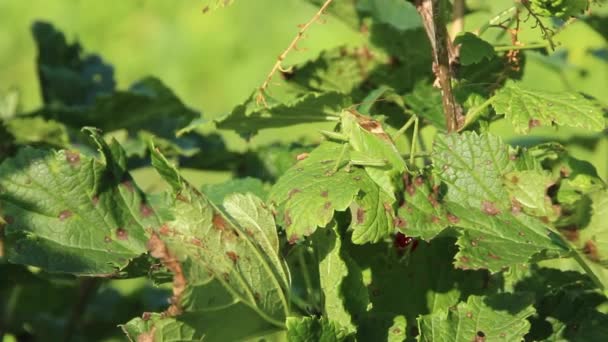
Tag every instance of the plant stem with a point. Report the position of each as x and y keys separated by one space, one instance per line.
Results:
x=496 y=19
x=430 y=11
x=260 y=99
x=522 y=47
x=414 y=141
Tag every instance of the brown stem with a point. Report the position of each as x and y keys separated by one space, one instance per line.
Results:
x=444 y=54
x=260 y=99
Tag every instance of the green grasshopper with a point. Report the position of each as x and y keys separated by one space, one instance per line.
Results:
x=369 y=146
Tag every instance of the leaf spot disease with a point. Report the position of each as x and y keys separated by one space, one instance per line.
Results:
x=360 y=215
x=324 y=193
x=533 y=123
x=292 y=192
x=399 y=222
x=287 y=219
x=493 y=256
x=95 y=200
x=128 y=185
x=293 y=239
x=480 y=337
x=453 y=219
x=72 y=157
x=490 y=208
x=107 y=239
x=232 y=256
x=145 y=210
x=590 y=249
x=64 y=215
x=327 y=205
x=218 y=222
x=121 y=234
x=159 y=250
x=469 y=314
x=302 y=156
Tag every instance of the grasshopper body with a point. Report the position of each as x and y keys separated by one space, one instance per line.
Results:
x=369 y=146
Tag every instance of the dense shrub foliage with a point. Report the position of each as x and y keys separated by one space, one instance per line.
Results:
x=454 y=190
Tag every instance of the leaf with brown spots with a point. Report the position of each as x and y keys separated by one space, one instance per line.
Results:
x=68 y=216
x=425 y=218
x=228 y=266
x=320 y=192
x=528 y=108
x=495 y=241
x=479 y=319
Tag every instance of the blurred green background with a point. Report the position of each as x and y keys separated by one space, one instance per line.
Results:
x=212 y=61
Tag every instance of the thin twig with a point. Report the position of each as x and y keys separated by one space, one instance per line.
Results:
x=547 y=32
x=260 y=99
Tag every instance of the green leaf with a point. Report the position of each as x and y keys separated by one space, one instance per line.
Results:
x=398 y=14
x=473 y=49
x=339 y=70
x=66 y=77
x=250 y=212
x=197 y=326
x=148 y=105
x=503 y=239
x=528 y=190
x=593 y=239
x=567 y=306
x=247 y=119
x=72 y=213
x=425 y=101
x=528 y=108
x=218 y=262
x=421 y=214
x=373 y=213
x=340 y=278
x=421 y=283
x=309 y=193
x=494 y=233
x=473 y=165
x=305 y=329
x=36 y=130
x=217 y=192
x=496 y=318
